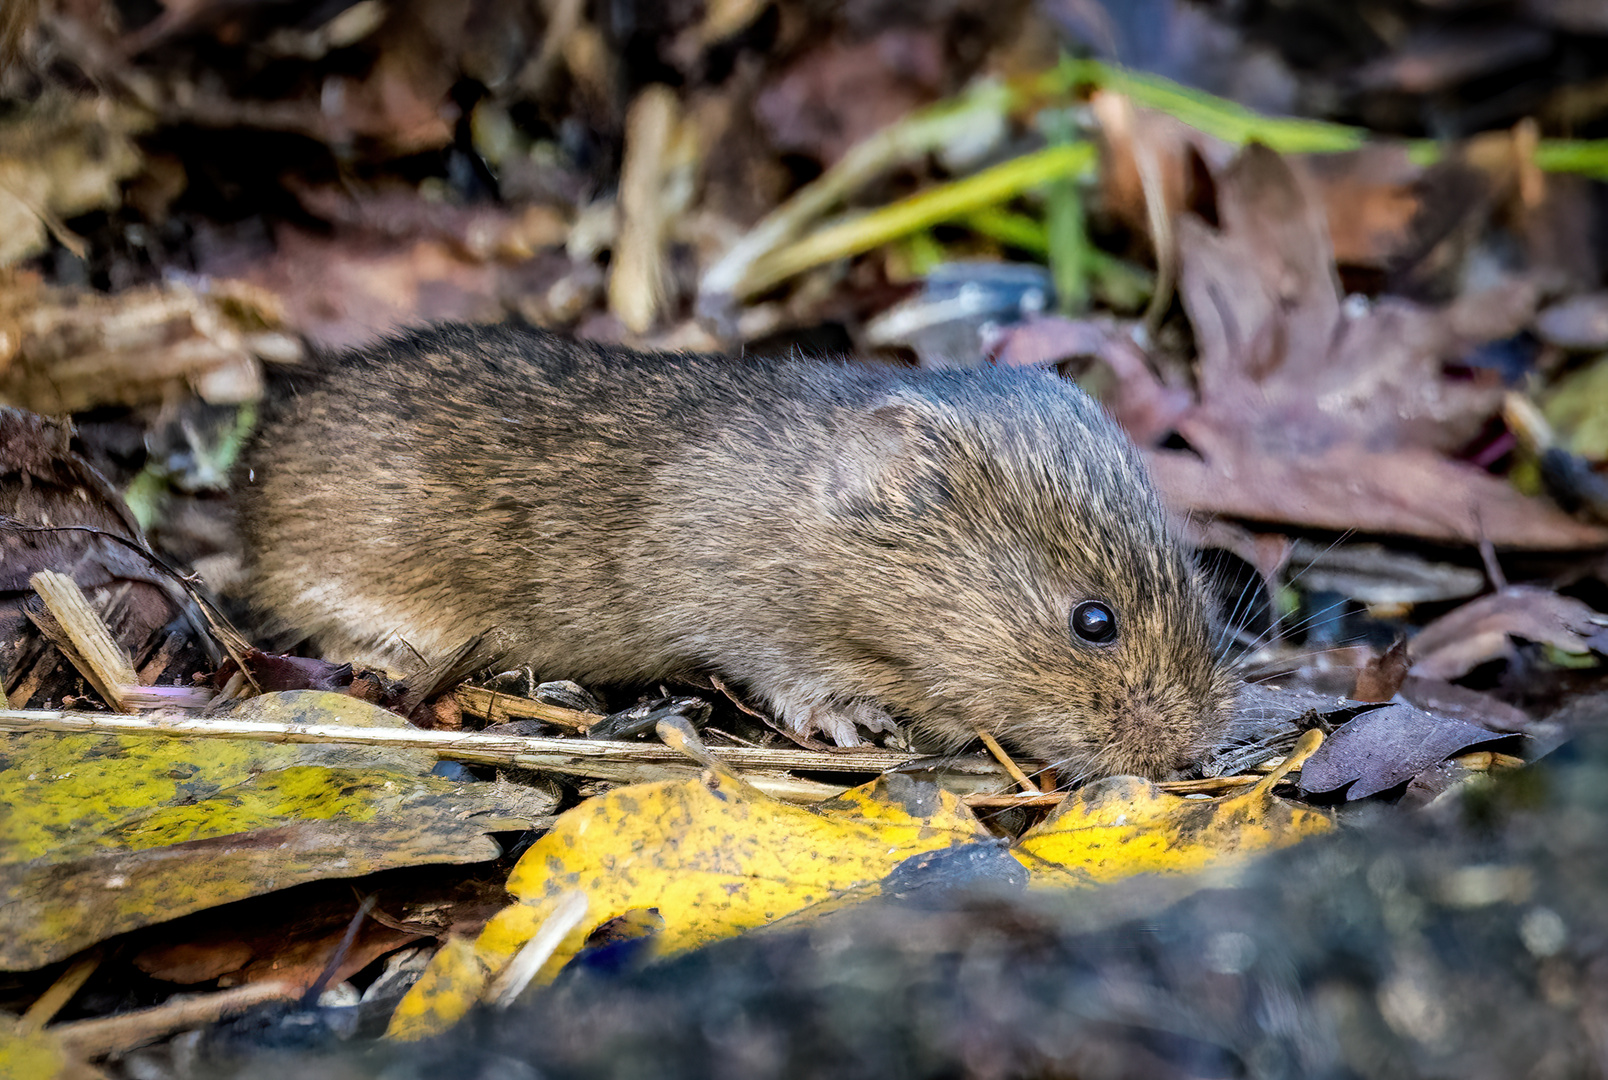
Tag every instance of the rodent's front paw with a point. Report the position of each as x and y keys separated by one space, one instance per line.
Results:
x=839 y=721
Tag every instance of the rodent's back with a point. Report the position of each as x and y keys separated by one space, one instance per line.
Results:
x=842 y=540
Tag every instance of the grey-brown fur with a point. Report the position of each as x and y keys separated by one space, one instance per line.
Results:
x=845 y=542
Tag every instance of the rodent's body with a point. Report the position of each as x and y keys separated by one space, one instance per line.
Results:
x=842 y=541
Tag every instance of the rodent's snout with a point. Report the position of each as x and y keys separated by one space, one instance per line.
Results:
x=1161 y=730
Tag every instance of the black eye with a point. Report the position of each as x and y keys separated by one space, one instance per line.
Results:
x=1094 y=622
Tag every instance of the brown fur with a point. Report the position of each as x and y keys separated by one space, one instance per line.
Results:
x=846 y=542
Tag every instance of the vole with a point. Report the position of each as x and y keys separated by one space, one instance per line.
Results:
x=847 y=543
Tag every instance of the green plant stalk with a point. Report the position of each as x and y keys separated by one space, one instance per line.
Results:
x=981 y=107
x=1011 y=228
x=1236 y=124
x=923 y=252
x=936 y=205
x=1063 y=224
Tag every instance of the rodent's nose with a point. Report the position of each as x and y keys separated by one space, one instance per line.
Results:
x=1159 y=735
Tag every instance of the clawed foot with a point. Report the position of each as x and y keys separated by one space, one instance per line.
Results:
x=838 y=721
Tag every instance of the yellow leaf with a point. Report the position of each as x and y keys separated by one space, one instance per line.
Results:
x=454 y=981
x=1124 y=825
x=712 y=856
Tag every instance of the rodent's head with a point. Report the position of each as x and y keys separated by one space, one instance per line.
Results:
x=1026 y=577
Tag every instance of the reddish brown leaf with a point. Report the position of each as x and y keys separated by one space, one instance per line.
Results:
x=838 y=94
x=1382 y=676
x=1483 y=629
x=1339 y=419
x=1146 y=408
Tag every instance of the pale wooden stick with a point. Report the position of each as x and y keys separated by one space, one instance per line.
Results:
x=97 y=1038
x=1005 y=759
x=93 y=652
x=499 y=708
x=601 y=759
x=60 y=993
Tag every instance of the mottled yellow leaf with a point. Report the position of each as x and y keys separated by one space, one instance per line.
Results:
x=1123 y=825
x=713 y=857
x=455 y=980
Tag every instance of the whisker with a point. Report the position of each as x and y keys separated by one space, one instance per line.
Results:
x=1277 y=626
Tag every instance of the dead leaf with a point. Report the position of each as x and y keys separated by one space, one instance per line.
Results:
x=1147 y=409
x=1382 y=676
x=1328 y=417
x=1370 y=197
x=1482 y=630
x=1461 y=703
x=65 y=351
x=836 y=95
x=1385 y=747
x=59 y=513
x=1121 y=826
x=60 y=158
x=275 y=671
x=346 y=291
x=714 y=857
x=477 y=233
x=296 y=953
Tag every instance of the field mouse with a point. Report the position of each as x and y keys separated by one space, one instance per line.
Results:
x=847 y=543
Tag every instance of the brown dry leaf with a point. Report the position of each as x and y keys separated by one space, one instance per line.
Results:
x=477 y=232
x=344 y=291
x=1386 y=747
x=65 y=351
x=59 y=159
x=1370 y=197
x=265 y=939
x=1481 y=630
x=1329 y=418
x=1381 y=677
x=1462 y=703
x=1147 y=409
x=1369 y=194
x=837 y=95
x=58 y=512
x=298 y=960
x=1143 y=146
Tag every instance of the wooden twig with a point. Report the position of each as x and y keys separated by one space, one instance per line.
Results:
x=89 y=645
x=1005 y=759
x=599 y=759
x=530 y=752
x=568 y=911
x=499 y=708
x=97 y=1038
x=48 y=1004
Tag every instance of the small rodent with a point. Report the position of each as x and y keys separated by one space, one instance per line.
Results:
x=847 y=543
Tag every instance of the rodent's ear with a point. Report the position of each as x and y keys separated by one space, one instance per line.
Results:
x=886 y=466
